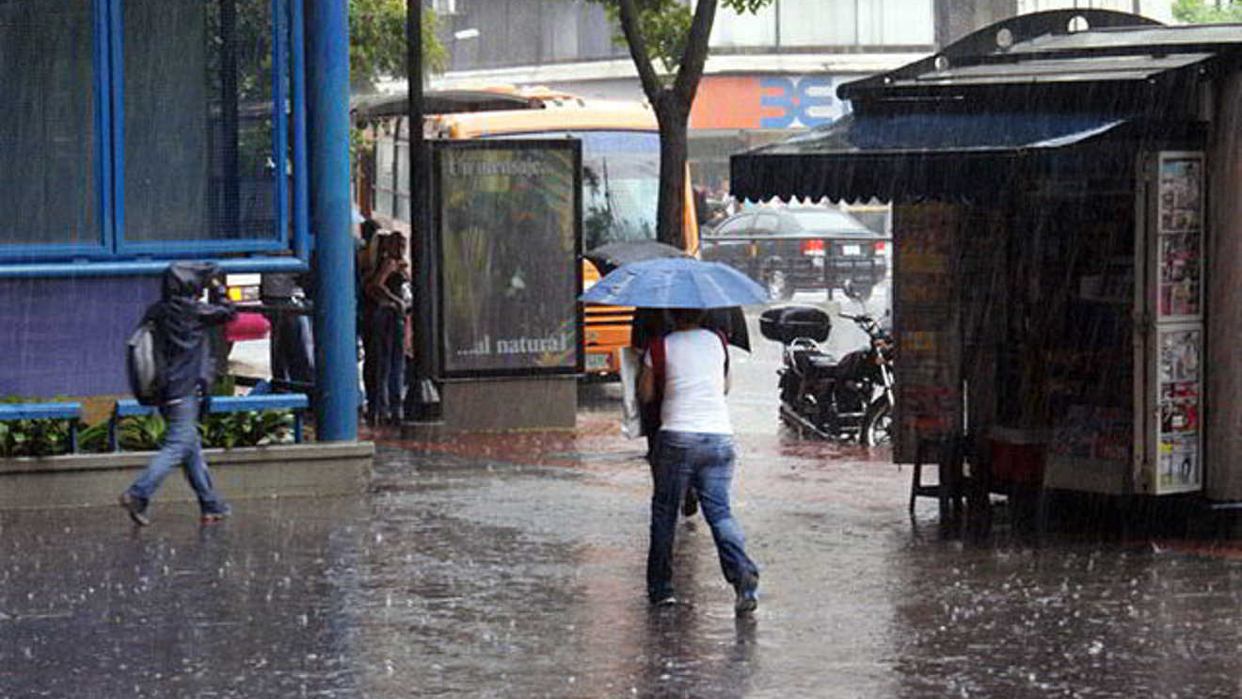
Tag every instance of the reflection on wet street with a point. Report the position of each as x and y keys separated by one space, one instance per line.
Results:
x=512 y=566
x=459 y=577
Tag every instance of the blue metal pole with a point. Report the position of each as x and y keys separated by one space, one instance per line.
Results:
x=336 y=361
x=301 y=181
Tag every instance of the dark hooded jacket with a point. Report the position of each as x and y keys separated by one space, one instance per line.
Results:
x=181 y=321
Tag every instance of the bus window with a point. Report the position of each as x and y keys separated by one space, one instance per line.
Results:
x=620 y=183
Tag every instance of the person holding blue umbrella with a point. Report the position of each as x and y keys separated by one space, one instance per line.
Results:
x=687 y=372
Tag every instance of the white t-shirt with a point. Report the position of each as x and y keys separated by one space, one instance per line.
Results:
x=694 y=383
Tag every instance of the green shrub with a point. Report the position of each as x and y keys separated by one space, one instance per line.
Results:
x=225 y=430
x=248 y=429
x=33 y=437
x=140 y=432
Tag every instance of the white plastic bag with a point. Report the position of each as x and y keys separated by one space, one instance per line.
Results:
x=631 y=422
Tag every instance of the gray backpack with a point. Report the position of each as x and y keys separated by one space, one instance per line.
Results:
x=144 y=363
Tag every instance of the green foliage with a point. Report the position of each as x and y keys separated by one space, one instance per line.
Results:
x=223 y=430
x=33 y=437
x=93 y=438
x=247 y=429
x=665 y=25
x=376 y=44
x=1200 y=12
x=141 y=432
x=377 y=41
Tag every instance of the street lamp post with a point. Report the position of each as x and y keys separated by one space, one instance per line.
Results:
x=422 y=401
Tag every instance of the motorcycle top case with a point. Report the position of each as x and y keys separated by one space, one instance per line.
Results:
x=789 y=323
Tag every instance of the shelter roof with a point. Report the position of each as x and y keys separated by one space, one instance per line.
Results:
x=1058 y=46
x=444 y=102
x=1082 y=85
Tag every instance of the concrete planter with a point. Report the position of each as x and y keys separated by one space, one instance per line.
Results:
x=294 y=470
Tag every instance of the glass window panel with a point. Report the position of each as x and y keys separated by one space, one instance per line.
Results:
x=909 y=22
x=401 y=193
x=403 y=167
x=1027 y=6
x=403 y=208
x=198 y=120
x=818 y=22
x=384 y=172
x=595 y=34
x=560 y=31
x=47 y=123
x=896 y=23
x=733 y=30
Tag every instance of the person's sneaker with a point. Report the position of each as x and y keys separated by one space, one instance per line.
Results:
x=664 y=601
x=747 y=597
x=136 y=509
x=213 y=517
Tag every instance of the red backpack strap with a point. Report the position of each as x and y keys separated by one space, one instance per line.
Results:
x=724 y=342
x=656 y=350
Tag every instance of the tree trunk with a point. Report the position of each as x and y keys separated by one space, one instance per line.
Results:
x=673 y=120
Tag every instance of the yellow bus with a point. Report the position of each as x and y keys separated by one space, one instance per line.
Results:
x=620 y=177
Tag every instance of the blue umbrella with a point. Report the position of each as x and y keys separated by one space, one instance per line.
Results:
x=675 y=282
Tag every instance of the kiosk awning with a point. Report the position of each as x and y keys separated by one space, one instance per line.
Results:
x=882 y=156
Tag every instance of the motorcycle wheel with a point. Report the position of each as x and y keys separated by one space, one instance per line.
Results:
x=877 y=424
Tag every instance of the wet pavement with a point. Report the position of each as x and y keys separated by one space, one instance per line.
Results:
x=512 y=566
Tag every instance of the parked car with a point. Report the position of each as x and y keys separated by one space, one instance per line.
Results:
x=795 y=248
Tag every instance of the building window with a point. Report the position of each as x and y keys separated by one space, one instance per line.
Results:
x=732 y=30
x=804 y=23
x=818 y=23
x=151 y=128
x=896 y=23
x=385 y=177
x=48 y=184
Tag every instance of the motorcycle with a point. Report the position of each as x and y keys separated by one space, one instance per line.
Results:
x=846 y=398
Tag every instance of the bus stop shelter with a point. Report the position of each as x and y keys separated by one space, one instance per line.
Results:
x=134 y=134
x=1067 y=250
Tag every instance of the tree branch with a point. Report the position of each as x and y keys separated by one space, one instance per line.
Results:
x=638 y=51
x=694 y=58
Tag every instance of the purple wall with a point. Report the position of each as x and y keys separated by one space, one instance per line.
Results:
x=67 y=336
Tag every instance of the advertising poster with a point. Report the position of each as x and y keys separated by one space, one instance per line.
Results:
x=1179 y=290
x=1180 y=236
x=1179 y=386
x=928 y=383
x=508 y=219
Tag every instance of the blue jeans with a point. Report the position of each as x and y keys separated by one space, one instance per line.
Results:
x=182 y=447
x=706 y=462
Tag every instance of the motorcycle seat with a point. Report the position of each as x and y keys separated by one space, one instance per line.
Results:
x=814 y=363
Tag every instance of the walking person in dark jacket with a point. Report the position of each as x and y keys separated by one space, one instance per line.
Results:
x=181 y=320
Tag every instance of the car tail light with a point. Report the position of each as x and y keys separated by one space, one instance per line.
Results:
x=813 y=247
x=881 y=247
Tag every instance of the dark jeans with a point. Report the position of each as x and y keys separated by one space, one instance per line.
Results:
x=388 y=350
x=292 y=348
x=704 y=461
x=182 y=447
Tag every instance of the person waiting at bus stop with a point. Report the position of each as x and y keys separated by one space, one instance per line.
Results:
x=695 y=448
x=181 y=322
x=387 y=291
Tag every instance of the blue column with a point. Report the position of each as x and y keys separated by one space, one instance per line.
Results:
x=327 y=53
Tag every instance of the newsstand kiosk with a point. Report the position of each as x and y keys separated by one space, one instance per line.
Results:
x=1063 y=187
x=1062 y=330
